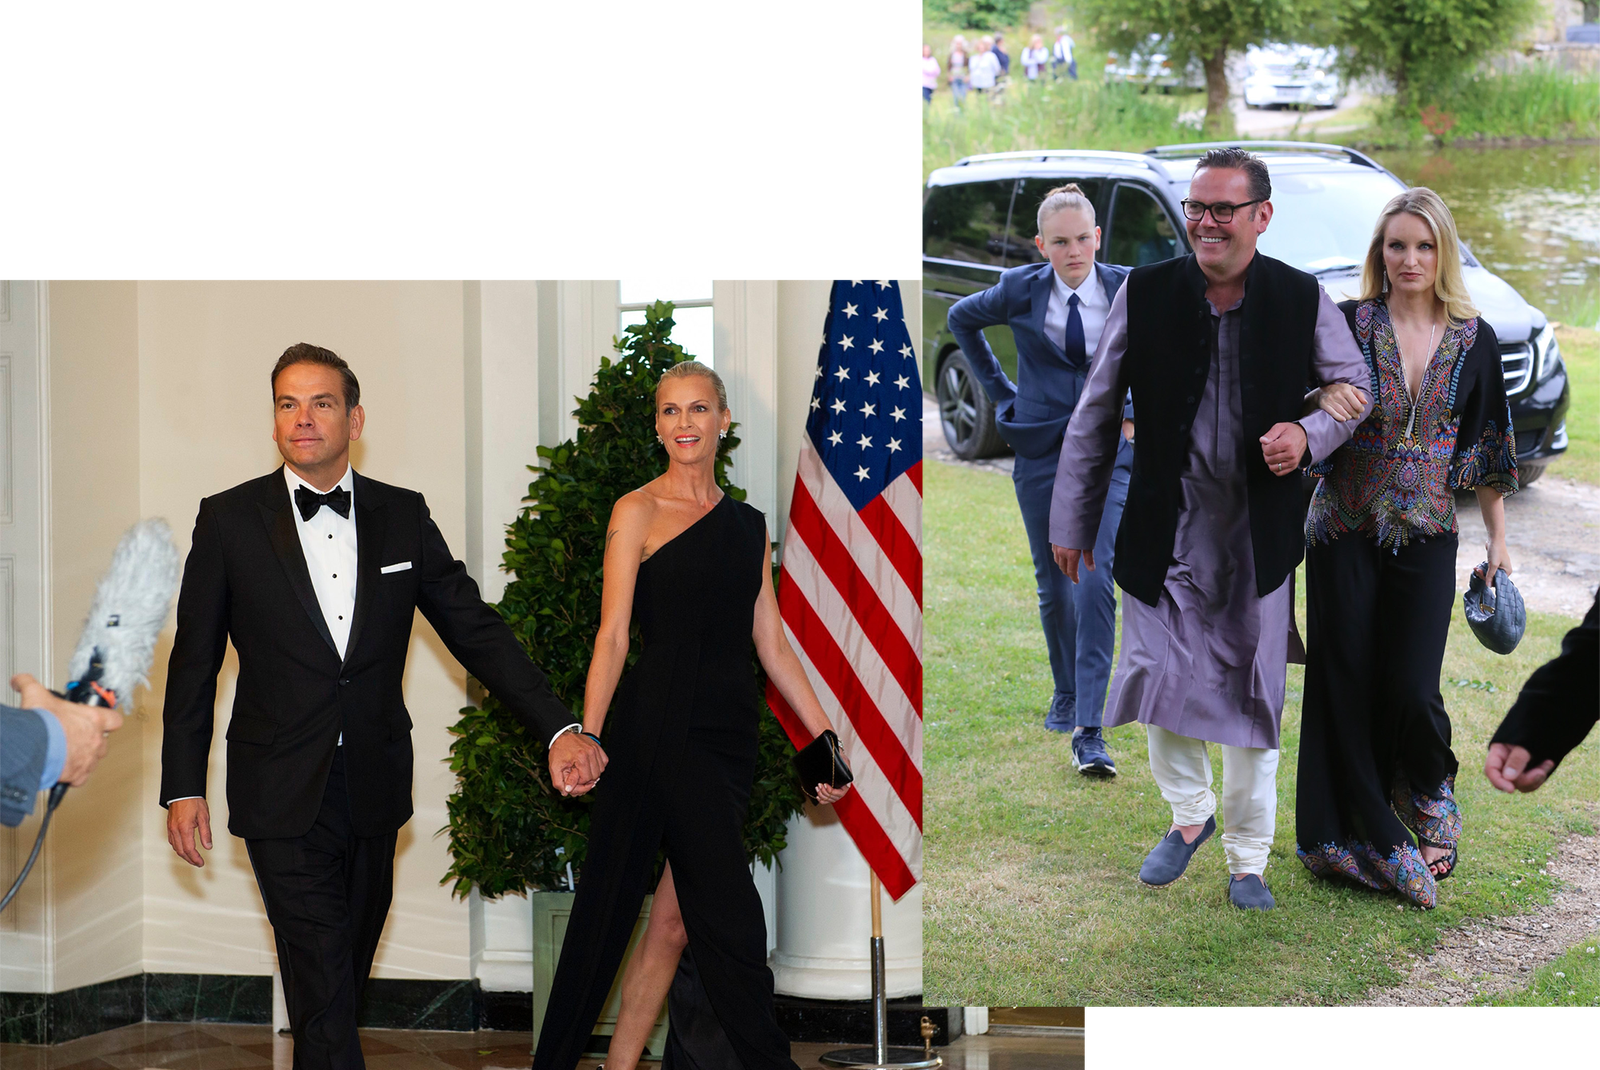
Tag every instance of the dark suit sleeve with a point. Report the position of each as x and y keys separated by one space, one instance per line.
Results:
x=480 y=638
x=1560 y=702
x=24 y=742
x=189 y=711
x=967 y=319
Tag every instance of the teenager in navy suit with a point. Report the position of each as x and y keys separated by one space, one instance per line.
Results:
x=1056 y=311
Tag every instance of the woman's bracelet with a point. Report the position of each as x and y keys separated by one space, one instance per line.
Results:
x=591 y=735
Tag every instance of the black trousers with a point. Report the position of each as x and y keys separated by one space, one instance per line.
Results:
x=327 y=895
x=1375 y=758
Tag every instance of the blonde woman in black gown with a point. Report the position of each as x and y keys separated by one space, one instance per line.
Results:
x=693 y=565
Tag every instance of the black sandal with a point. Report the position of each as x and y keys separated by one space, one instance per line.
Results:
x=1447 y=861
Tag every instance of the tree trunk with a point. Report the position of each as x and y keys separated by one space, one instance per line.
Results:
x=1219 y=117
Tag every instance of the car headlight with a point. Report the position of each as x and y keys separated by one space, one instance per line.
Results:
x=1546 y=354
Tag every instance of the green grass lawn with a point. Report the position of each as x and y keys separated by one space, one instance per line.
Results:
x=1031 y=896
x=1580 y=349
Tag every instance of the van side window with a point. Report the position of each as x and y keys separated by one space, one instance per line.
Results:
x=967 y=222
x=1141 y=233
x=1025 y=212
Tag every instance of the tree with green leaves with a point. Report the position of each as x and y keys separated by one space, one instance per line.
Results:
x=1203 y=29
x=1421 y=46
x=977 y=14
x=508 y=829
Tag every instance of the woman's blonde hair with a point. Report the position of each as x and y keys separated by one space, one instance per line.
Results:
x=1061 y=198
x=1448 y=284
x=689 y=368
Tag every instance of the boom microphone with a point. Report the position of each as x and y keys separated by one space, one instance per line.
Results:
x=119 y=638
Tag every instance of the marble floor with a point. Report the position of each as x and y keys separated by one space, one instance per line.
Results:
x=255 y=1047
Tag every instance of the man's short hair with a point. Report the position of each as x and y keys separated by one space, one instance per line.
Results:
x=306 y=353
x=1236 y=159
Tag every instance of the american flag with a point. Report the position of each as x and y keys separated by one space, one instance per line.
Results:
x=850 y=590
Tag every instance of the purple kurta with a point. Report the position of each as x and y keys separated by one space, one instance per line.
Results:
x=1208 y=660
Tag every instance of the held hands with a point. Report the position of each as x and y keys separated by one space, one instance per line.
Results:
x=576 y=762
x=86 y=727
x=1507 y=768
x=1283 y=445
x=1067 y=560
x=1341 y=401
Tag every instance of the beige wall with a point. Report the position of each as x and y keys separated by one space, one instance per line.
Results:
x=160 y=396
x=95 y=870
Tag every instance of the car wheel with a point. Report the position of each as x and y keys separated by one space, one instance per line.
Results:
x=1529 y=473
x=965 y=411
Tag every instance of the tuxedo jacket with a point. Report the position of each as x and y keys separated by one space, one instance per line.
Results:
x=246 y=580
x=1031 y=414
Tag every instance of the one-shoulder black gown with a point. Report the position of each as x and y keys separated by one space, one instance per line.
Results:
x=682 y=748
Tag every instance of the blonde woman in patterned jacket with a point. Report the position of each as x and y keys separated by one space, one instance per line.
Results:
x=1376 y=801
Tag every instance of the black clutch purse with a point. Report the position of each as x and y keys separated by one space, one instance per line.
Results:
x=821 y=762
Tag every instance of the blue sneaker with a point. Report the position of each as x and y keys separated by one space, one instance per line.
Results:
x=1089 y=751
x=1062 y=716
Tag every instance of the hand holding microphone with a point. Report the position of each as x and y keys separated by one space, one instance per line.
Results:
x=86 y=727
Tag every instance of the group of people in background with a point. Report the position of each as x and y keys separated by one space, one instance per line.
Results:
x=1201 y=519
x=986 y=67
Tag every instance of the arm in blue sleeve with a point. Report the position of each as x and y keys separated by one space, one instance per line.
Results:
x=55 y=755
x=968 y=317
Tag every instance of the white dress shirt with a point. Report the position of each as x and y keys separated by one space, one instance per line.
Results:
x=329 y=543
x=1093 y=307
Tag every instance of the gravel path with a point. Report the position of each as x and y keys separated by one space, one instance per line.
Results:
x=1552 y=530
x=1500 y=954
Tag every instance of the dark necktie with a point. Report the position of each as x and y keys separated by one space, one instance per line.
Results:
x=338 y=499
x=1077 y=356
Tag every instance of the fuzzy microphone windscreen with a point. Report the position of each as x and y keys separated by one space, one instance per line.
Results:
x=129 y=608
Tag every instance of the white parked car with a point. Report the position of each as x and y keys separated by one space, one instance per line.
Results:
x=1150 y=65
x=1298 y=76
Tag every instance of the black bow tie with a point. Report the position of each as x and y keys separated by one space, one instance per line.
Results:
x=309 y=501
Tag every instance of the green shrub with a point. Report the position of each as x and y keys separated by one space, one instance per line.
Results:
x=508 y=829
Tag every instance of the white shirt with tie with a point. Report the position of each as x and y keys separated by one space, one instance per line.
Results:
x=1093 y=308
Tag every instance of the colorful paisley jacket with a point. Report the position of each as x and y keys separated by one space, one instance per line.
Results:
x=1382 y=485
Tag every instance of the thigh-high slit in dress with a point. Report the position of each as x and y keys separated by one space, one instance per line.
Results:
x=682 y=749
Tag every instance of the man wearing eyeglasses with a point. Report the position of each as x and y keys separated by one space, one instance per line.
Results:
x=1218 y=349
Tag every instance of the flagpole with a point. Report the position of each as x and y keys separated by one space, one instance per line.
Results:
x=880 y=1056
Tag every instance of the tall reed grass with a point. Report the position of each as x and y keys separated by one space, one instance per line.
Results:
x=1534 y=102
x=1051 y=115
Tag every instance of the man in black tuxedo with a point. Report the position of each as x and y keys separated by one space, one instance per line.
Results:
x=314 y=572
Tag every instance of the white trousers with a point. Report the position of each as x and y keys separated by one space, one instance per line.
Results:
x=1182 y=770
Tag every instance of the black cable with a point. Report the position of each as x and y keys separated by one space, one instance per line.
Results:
x=56 y=795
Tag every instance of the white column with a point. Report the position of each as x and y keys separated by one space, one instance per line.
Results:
x=585 y=324
x=825 y=918
x=745 y=352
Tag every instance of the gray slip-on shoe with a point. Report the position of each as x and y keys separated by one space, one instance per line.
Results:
x=1171 y=856
x=1249 y=892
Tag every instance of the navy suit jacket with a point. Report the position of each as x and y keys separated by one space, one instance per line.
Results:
x=24 y=741
x=1034 y=418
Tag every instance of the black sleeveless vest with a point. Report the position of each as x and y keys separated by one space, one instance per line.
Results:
x=1167 y=361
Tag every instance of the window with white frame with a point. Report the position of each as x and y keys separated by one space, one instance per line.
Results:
x=691 y=314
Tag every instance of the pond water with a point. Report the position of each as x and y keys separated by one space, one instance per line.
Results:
x=1531 y=215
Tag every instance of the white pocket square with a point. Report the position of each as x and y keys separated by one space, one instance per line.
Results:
x=400 y=567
